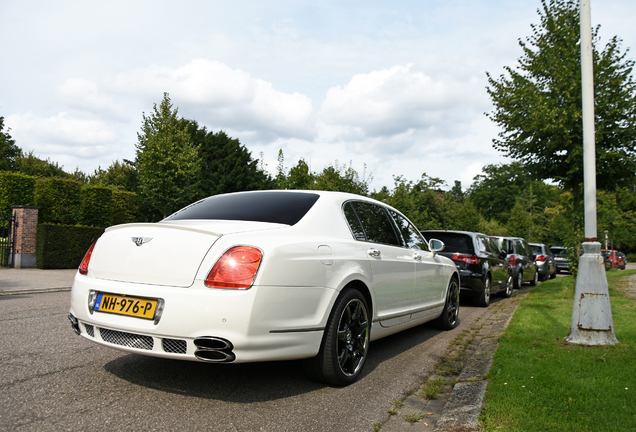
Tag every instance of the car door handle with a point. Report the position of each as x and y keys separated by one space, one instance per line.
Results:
x=373 y=252
x=417 y=257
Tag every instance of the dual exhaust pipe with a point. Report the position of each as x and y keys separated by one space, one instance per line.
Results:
x=214 y=349
x=209 y=348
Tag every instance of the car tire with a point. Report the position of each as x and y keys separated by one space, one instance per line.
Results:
x=483 y=298
x=553 y=275
x=345 y=344
x=519 y=280
x=535 y=279
x=507 y=293
x=449 y=319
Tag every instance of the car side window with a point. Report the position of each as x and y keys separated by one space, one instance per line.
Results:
x=376 y=224
x=354 y=222
x=483 y=244
x=410 y=234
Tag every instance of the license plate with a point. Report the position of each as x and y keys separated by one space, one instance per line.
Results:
x=125 y=305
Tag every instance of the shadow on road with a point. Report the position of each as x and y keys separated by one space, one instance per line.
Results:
x=249 y=382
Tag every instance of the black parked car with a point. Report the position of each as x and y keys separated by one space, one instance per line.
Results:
x=544 y=261
x=482 y=267
x=560 y=258
x=520 y=258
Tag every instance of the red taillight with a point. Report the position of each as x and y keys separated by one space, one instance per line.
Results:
x=468 y=259
x=540 y=258
x=83 y=267
x=235 y=269
x=513 y=260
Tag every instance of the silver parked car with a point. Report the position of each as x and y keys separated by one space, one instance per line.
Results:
x=544 y=261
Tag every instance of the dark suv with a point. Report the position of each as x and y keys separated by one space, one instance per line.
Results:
x=520 y=258
x=560 y=258
x=482 y=267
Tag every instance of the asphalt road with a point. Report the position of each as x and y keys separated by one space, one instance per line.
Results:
x=53 y=380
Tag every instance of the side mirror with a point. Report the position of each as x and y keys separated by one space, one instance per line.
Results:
x=435 y=246
x=503 y=254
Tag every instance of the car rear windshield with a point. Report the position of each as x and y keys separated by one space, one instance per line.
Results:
x=537 y=250
x=556 y=251
x=453 y=242
x=274 y=207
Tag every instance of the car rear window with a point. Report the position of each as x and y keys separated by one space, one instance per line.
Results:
x=453 y=242
x=537 y=250
x=274 y=207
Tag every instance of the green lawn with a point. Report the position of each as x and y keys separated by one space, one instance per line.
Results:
x=539 y=382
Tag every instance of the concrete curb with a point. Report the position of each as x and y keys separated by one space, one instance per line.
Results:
x=461 y=412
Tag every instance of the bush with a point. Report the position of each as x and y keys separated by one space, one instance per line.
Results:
x=15 y=189
x=631 y=257
x=124 y=207
x=63 y=246
x=59 y=200
x=96 y=207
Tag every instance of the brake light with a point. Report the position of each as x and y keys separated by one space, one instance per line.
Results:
x=540 y=258
x=468 y=259
x=235 y=269
x=83 y=267
x=513 y=260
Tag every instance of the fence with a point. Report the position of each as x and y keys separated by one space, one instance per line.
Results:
x=7 y=235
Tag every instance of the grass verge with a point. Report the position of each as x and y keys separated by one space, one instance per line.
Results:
x=538 y=382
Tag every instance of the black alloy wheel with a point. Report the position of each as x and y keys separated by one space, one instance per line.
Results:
x=449 y=319
x=345 y=344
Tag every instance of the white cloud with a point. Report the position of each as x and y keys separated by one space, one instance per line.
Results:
x=397 y=101
x=65 y=138
x=222 y=97
x=82 y=94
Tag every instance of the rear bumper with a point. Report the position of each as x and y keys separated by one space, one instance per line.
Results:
x=261 y=323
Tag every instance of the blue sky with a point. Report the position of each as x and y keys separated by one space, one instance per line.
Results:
x=396 y=86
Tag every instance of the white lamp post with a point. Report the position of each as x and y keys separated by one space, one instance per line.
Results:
x=592 y=322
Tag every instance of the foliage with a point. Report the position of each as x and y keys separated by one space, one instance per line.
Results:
x=166 y=161
x=124 y=207
x=121 y=175
x=63 y=246
x=59 y=200
x=540 y=382
x=96 y=207
x=34 y=166
x=225 y=164
x=538 y=104
x=15 y=189
x=9 y=152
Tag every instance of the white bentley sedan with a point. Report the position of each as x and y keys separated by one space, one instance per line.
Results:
x=265 y=275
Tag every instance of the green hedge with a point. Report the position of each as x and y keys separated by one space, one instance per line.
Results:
x=59 y=200
x=124 y=207
x=15 y=189
x=63 y=246
x=96 y=206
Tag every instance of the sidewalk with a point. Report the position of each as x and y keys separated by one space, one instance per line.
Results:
x=32 y=281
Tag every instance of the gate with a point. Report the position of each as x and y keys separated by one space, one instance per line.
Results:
x=6 y=240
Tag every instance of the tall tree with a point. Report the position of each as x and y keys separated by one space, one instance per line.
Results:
x=538 y=104
x=9 y=152
x=166 y=161
x=225 y=164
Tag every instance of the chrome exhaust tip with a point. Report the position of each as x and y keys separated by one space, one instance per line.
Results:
x=74 y=324
x=214 y=349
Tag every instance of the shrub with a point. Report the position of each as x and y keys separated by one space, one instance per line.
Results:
x=124 y=207
x=96 y=207
x=63 y=246
x=15 y=189
x=59 y=200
